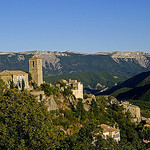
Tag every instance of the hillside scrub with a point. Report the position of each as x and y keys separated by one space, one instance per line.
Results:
x=26 y=124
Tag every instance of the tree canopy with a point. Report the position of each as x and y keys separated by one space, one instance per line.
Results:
x=25 y=123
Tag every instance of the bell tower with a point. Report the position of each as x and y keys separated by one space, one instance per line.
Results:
x=35 y=68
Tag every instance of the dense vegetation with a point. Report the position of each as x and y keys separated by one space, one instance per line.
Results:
x=26 y=124
x=98 y=63
x=136 y=90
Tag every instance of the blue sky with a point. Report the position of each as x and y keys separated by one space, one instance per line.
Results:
x=78 y=25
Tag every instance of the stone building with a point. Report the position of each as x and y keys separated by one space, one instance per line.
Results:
x=16 y=76
x=35 y=68
x=134 y=110
x=109 y=131
x=77 y=88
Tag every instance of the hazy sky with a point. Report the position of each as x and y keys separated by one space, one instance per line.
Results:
x=77 y=25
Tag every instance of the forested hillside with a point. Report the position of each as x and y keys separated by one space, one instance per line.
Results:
x=136 y=88
x=27 y=124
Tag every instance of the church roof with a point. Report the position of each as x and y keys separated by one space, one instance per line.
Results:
x=35 y=57
x=12 y=72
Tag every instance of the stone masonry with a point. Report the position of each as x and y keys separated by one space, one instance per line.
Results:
x=35 y=68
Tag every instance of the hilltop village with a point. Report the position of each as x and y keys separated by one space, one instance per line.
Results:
x=67 y=95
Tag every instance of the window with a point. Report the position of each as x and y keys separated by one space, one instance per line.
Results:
x=33 y=64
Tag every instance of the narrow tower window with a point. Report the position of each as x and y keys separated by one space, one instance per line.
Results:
x=33 y=64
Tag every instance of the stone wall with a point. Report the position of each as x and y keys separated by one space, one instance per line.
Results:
x=35 y=68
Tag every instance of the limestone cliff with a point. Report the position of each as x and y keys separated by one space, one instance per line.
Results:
x=141 y=57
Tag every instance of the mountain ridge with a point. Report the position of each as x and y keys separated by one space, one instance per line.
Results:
x=134 y=88
x=55 y=63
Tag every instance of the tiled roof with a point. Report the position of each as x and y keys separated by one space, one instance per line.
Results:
x=107 y=128
x=34 y=57
x=126 y=103
x=146 y=125
x=146 y=141
x=148 y=122
x=13 y=72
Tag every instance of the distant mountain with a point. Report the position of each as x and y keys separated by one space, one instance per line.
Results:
x=135 y=88
x=77 y=65
x=54 y=63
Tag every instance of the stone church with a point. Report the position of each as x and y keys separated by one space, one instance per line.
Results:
x=17 y=76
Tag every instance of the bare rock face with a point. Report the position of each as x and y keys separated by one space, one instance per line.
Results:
x=21 y=57
x=140 y=57
x=50 y=103
x=48 y=58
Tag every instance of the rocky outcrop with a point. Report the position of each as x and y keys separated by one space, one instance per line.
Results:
x=50 y=103
x=49 y=59
x=141 y=57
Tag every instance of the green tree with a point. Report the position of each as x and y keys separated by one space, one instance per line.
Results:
x=67 y=92
x=29 y=76
x=47 y=89
x=80 y=110
x=94 y=108
x=50 y=90
x=25 y=123
x=2 y=86
x=11 y=84
x=23 y=85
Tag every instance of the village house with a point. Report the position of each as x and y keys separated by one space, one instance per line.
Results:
x=134 y=110
x=18 y=76
x=76 y=87
x=110 y=132
x=15 y=76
